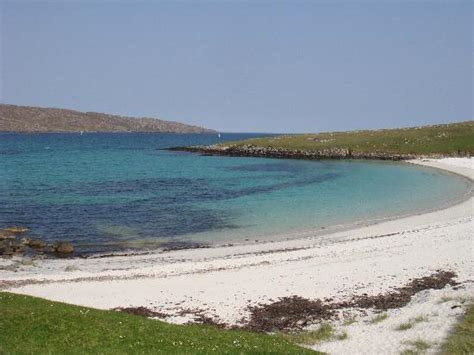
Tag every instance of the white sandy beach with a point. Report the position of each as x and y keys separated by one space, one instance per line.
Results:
x=223 y=281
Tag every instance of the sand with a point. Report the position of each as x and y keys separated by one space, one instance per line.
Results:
x=224 y=281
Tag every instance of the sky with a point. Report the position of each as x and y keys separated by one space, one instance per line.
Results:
x=244 y=66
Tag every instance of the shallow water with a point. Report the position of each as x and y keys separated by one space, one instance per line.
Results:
x=108 y=192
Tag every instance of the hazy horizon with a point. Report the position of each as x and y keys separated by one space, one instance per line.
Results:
x=244 y=67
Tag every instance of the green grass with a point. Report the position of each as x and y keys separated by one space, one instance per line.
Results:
x=379 y=318
x=342 y=336
x=416 y=347
x=439 y=139
x=30 y=325
x=405 y=326
x=411 y=323
x=349 y=321
x=409 y=352
x=420 y=345
x=323 y=333
x=461 y=341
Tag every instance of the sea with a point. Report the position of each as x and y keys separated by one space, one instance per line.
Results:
x=110 y=193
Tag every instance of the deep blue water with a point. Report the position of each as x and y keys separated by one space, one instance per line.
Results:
x=110 y=192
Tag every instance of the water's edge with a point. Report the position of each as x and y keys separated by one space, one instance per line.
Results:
x=312 y=232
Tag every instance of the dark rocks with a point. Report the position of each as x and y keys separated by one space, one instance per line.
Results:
x=36 y=244
x=18 y=248
x=5 y=247
x=270 y=152
x=63 y=248
x=6 y=235
x=12 y=245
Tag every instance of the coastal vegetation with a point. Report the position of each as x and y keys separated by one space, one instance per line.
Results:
x=461 y=341
x=379 y=318
x=416 y=347
x=437 y=139
x=30 y=325
x=28 y=119
x=411 y=323
x=324 y=332
x=454 y=139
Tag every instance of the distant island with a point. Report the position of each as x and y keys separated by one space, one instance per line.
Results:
x=435 y=141
x=26 y=119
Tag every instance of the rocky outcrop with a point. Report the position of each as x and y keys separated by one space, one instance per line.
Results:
x=14 y=243
x=269 y=152
x=37 y=244
x=63 y=248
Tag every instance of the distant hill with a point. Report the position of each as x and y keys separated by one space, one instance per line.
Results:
x=36 y=119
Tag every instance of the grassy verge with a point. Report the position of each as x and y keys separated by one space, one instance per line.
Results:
x=416 y=347
x=411 y=323
x=379 y=318
x=461 y=341
x=323 y=333
x=448 y=139
x=30 y=325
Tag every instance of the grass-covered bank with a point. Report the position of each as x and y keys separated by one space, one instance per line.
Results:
x=447 y=139
x=30 y=325
x=461 y=341
x=454 y=139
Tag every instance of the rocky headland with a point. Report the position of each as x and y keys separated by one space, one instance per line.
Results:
x=433 y=142
x=249 y=150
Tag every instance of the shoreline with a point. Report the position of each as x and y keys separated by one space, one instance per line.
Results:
x=302 y=233
x=198 y=241
x=223 y=282
x=298 y=240
x=249 y=150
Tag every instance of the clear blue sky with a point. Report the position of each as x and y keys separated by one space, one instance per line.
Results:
x=244 y=66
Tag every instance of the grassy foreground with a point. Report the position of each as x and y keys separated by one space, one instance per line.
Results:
x=447 y=139
x=30 y=325
x=461 y=341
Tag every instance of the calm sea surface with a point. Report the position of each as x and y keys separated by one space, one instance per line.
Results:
x=109 y=192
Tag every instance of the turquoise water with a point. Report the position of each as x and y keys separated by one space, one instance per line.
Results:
x=108 y=192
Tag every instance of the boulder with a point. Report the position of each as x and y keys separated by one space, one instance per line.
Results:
x=63 y=248
x=36 y=243
x=11 y=247
x=6 y=235
x=18 y=248
x=5 y=248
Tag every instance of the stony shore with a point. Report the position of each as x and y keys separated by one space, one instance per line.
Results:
x=249 y=150
x=15 y=242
